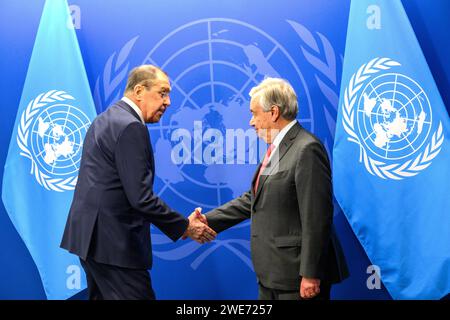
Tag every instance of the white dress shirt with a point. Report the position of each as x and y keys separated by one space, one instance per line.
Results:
x=276 y=142
x=135 y=107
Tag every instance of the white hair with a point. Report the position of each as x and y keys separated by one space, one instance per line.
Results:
x=278 y=92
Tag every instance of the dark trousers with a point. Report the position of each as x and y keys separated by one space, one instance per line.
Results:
x=275 y=294
x=107 y=282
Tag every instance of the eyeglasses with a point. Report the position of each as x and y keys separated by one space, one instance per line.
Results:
x=164 y=94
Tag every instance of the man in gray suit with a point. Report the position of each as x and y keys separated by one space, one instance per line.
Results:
x=294 y=249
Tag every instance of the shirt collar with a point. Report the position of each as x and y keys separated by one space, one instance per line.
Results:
x=135 y=107
x=276 y=142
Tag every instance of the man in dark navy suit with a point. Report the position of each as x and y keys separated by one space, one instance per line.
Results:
x=114 y=204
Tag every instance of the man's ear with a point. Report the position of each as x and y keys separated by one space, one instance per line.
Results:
x=275 y=110
x=138 y=91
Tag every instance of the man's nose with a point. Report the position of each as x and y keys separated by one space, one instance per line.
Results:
x=167 y=101
x=252 y=122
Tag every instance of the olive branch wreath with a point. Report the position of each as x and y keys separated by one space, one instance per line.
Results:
x=325 y=62
x=396 y=171
x=23 y=134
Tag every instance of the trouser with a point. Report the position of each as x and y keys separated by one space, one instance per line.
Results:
x=107 y=282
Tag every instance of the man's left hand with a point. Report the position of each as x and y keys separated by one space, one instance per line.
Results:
x=309 y=288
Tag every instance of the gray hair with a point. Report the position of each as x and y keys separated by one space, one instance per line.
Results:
x=144 y=75
x=278 y=92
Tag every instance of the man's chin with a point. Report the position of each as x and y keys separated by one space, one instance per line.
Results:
x=156 y=117
x=262 y=134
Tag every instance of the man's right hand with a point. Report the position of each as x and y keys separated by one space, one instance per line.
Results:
x=199 y=215
x=198 y=229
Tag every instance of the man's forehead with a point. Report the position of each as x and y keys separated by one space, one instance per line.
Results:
x=162 y=82
x=254 y=104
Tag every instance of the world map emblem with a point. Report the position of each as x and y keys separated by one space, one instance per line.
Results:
x=388 y=114
x=50 y=134
x=213 y=63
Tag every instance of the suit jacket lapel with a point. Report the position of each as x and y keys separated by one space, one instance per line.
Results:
x=255 y=175
x=122 y=104
x=125 y=106
x=152 y=159
x=279 y=153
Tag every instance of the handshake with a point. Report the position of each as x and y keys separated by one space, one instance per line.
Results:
x=198 y=229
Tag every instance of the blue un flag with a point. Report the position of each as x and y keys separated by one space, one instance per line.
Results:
x=392 y=153
x=55 y=111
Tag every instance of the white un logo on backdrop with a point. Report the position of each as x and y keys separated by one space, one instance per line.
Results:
x=51 y=134
x=213 y=63
x=390 y=117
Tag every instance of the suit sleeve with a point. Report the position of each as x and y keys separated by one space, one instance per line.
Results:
x=231 y=213
x=314 y=194
x=132 y=155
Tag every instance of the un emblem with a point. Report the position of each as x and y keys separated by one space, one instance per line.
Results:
x=51 y=134
x=213 y=64
x=389 y=116
x=204 y=148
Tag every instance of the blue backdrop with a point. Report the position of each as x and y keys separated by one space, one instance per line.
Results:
x=214 y=52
